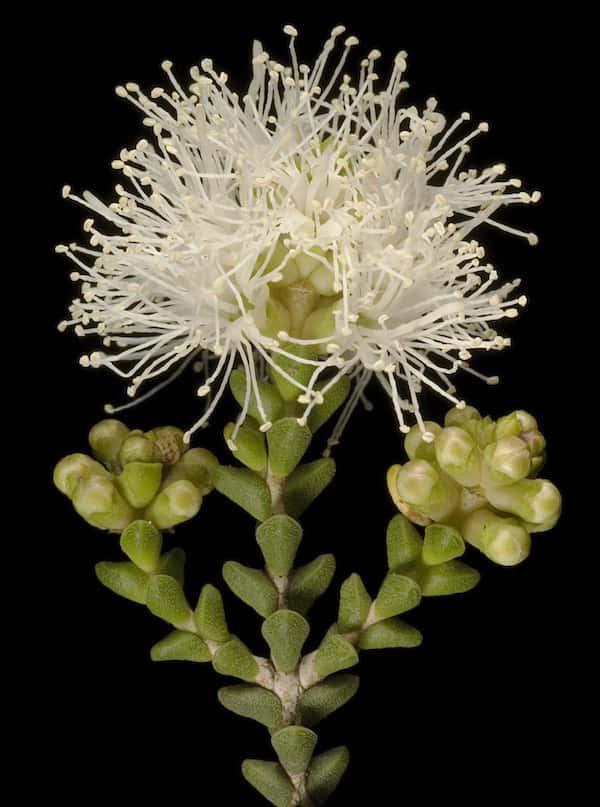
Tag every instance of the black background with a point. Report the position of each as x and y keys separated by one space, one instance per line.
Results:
x=484 y=705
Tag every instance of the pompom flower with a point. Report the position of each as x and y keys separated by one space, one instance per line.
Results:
x=314 y=219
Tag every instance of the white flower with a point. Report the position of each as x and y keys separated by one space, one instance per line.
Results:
x=311 y=211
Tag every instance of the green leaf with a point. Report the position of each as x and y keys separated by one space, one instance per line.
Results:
x=252 y=586
x=310 y=581
x=390 y=633
x=397 y=595
x=173 y=564
x=299 y=371
x=125 y=579
x=285 y=632
x=139 y=482
x=270 y=397
x=326 y=697
x=166 y=600
x=287 y=441
x=326 y=772
x=305 y=483
x=332 y=400
x=142 y=543
x=233 y=658
x=334 y=654
x=279 y=538
x=453 y=577
x=442 y=543
x=270 y=780
x=249 y=445
x=209 y=616
x=254 y=702
x=354 y=605
x=404 y=543
x=294 y=746
x=180 y=645
x=246 y=489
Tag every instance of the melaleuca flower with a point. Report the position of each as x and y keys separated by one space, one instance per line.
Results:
x=313 y=211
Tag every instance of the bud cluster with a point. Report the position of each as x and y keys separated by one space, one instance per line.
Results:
x=480 y=477
x=136 y=475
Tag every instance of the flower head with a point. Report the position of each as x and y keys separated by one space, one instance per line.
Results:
x=314 y=211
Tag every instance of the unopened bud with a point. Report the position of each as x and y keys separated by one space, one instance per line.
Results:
x=416 y=447
x=456 y=416
x=536 y=501
x=515 y=423
x=177 y=503
x=74 y=467
x=536 y=442
x=197 y=466
x=138 y=448
x=506 y=461
x=98 y=501
x=459 y=456
x=503 y=540
x=106 y=439
x=425 y=490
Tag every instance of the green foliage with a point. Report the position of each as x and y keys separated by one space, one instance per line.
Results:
x=332 y=400
x=326 y=697
x=248 y=490
x=299 y=371
x=404 y=543
x=166 y=600
x=125 y=579
x=442 y=543
x=173 y=564
x=142 y=543
x=310 y=581
x=270 y=397
x=255 y=702
x=279 y=538
x=180 y=645
x=285 y=632
x=391 y=632
x=270 y=780
x=294 y=746
x=453 y=577
x=209 y=616
x=306 y=483
x=325 y=773
x=397 y=595
x=287 y=441
x=233 y=658
x=334 y=654
x=252 y=586
x=355 y=603
x=249 y=445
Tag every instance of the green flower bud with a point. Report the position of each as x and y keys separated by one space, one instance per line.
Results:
x=457 y=416
x=427 y=491
x=535 y=441
x=98 y=501
x=506 y=461
x=482 y=430
x=106 y=439
x=175 y=504
x=459 y=456
x=416 y=447
x=534 y=500
x=168 y=441
x=503 y=540
x=138 y=448
x=74 y=467
x=508 y=426
x=197 y=466
x=139 y=482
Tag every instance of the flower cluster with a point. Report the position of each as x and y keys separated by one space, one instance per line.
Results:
x=480 y=477
x=313 y=212
x=136 y=475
